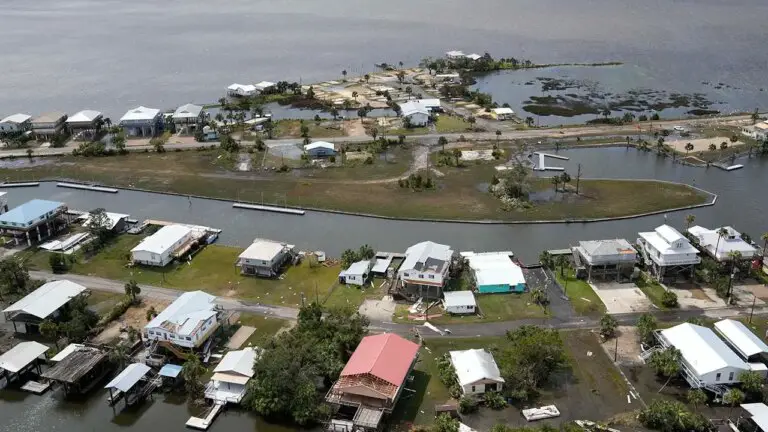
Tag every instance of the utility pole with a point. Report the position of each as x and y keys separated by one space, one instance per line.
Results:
x=578 y=177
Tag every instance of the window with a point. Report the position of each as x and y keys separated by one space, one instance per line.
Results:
x=473 y=389
x=431 y=276
x=188 y=338
x=151 y=332
x=717 y=377
x=730 y=376
x=421 y=275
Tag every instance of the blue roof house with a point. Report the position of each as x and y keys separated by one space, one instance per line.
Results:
x=36 y=218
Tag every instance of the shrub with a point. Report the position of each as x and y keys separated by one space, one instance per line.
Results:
x=669 y=299
x=369 y=160
x=59 y=263
x=284 y=168
x=608 y=325
x=332 y=159
x=467 y=405
x=495 y=400
x=116 y=311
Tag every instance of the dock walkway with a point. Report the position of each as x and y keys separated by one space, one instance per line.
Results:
x=269 y=208
x=205 y=423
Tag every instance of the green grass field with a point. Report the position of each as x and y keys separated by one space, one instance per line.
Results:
x=652 y=290
x=266 y=327
x=493 y=307
x=582 y=296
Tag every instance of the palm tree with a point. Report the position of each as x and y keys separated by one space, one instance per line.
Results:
x=561 y=262
x=764 y=238
x=119 y=356
x=354 y=95
x=688 y=148
x=722 y=232
x=529 y=121
x=344 y=75
x=712 y=147
x=498 y=135
x=366 y=77
x=556 y=181
x=400 y=63
x=689 y=221
x=545 y=258
x=408 y=91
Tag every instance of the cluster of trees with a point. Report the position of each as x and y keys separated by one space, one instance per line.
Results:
x=528 y=360
x=75 y=321
x=449 y=158
x=486 y=63
x=229 y=144
x=296 y=366
x=349 y=256
x=562 y=179
x=14 y=279
x=416 y=182
x=517 y=182
x=672 y=416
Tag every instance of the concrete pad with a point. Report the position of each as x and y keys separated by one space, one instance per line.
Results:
x=696 y=298
x=241 y=335
x=622 y=297
x=378 y=310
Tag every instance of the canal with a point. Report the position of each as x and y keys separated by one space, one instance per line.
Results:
x=740 y=204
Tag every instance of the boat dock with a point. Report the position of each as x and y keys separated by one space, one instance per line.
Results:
x=269 y=208
x=205 y=423
x=542 y=165
x=87 y=187
x=36 y=387
x=19 y=184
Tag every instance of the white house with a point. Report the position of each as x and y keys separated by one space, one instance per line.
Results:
x=502 y=113
x=424 y=272
x=357 y=273
x=495 y=272
x=16 y=123
x=142 y=121
x=43 y=303
x=474 y=56
x=706 y=360
x=719 y=247
x=432 y=105
x=320 y=149
x=158 y=249
x=264 y=258
x=85 y=123
x=416 y=113
x=231 y=376
x=189 y=116
x=455 y=54
x=742 y=340
x=459 y=302
x=476 y=371
x=49 y=124
x=187 y=322
x=666 y=251
x=241 y=90
x=263 y=85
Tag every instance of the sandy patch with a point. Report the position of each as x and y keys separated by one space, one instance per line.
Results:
x=622 y=297
x=627 y=351
x=378 y=310
x=361 y=155
x=473 y=155
x=354 y=127
x=700 y=144
x=135 y=316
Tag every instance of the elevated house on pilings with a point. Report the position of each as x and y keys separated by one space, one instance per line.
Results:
x=34 y=221
x=371 y=382
x=667 y=253
x=605 y=259
x=47 y=302
x=80 y=371
x=425 y=271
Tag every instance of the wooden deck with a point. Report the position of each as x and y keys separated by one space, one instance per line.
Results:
x=36 y=387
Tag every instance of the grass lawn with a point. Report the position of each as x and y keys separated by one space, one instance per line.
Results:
x=212 y=270
x=353 y=296
x=652 y=290
x=583 y=298
x=493 y=307
x=408 y=131
x=290 y=128
x=460 y=194
x=266 y=327
x=451 y=124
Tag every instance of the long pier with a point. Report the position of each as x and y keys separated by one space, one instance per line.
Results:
x=205 y=423
x=87 y=187
x=19 y=184
x=269 y=208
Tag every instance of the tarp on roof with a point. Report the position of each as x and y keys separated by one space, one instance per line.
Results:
x=69 y=349
x=386 y=356
x=48 y=298
x=170 y=370
x=128 y=378
x=18 y=357
x=741 y=337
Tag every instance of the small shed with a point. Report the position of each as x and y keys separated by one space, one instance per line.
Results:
x=130 y=384
x=495 y=272
x=741 y=340
x=21 y=358
x=357 y=273
x=459 y=302
x=320 y=149
x=476 y=371
x=502 y=113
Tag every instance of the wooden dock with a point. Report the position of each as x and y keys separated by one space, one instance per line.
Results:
x=269 y=208
x=205 y=423
x=36 y=387
x=87 y=187
x=19 y=184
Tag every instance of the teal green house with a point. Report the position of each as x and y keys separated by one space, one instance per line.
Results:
x=495 y=272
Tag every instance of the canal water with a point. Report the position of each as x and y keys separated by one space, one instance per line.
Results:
x=740 y=204
x=112 y=55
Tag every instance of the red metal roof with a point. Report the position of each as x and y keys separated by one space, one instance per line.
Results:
x=386 y=356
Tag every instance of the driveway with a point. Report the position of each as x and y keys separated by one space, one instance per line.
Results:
x=622 y=297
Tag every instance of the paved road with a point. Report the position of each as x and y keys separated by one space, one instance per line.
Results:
x=530 y=134
x=569 y=321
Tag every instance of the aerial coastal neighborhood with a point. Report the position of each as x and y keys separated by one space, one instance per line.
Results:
x=241 y=309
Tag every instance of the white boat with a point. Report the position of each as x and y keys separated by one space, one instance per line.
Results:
x=545 y=412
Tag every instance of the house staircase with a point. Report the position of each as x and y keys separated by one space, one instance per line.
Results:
x=173 y=349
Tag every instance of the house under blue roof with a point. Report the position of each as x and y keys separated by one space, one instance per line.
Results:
x=29 y=213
